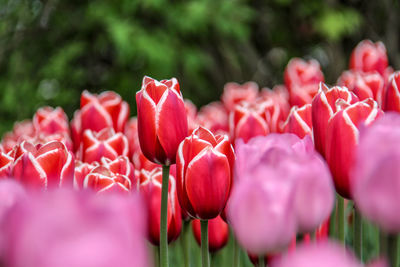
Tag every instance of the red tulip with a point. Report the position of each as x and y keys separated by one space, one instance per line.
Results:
x=105 y=143
x=214 y=117
x=150 y=188
x=5 y=165
x=369 y=56
x=49 y=120
x=392 y=101
x=131 y=132
x=248 y=120
x=102 y=180
x=162 y=122
x=277 y=109
x=23 y=130
x=302 y=79
x=99 y=112
x=43 y=166
x=323 y=108
x=81 y=170
x=204 y=170
x=218 y=233
x=342 y=138
x=235 y=93
x=299 y=121
x=364 y=85
x=121 y=165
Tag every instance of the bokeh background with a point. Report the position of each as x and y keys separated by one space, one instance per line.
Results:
x=52 y=50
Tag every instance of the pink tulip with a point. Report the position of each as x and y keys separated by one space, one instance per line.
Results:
x=327 y=254
x=376 y=175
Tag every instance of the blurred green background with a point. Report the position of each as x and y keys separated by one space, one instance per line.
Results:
x=51 y=50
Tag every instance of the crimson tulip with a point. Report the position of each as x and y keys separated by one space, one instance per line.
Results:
x=277 y=108
x=368 y=56
x=392 y=101
x=248 y=119
x=204 y=170
x=162 y=122
x=81 y=170
x=98 y=112
x=323 y=108
x=235 y=93
x=299 y=121
x=103 y=180
x=150 y=188
x=105 y=143
x=49 y=120
x=342 y=138
x=6 y=161
x=218 y=233
x=43 y=166
x=302 y=79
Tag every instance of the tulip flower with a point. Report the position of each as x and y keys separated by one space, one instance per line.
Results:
x=162 y=122
x=77 y=229
x=81 y=170
x=299 y=121
x=376 y=174
x=6 y=161
x=105 y=143
x=364 y=85
x=49 y=120
x=302 y=79
x=235 y=93
x=102 y=179
x=23 y=130
x=327 y=254
x=218 y=233
x=150 y=188
x=214 y=117
x=368 y=56
x=248 y=120
x=131 y=133
x=204 y=164
x=43 y=166
x=342 y=138
x=392 y=101
x=323 y=108
x=98 y=112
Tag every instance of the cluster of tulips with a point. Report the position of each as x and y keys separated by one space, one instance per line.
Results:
x=277 y=166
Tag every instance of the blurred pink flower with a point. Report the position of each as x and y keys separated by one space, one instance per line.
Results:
x=376 y=174
x=65 y=228
x=327 y=254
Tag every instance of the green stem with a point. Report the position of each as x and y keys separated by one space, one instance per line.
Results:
x=204 y=244
x=392 y=247
x=185 y=244
x=382 y=244
x=332 y=223
x=236 y=252
x=163 y=223
x=156 y=257
x=341 y=219
x=357 y=230
x=261 y=262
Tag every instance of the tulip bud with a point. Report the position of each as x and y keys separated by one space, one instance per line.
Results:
x=162 y=122
x=277 y=108
x=218 y=233
x=342 y=138
x=299 y=121
x=43 y=166
x=235 y=93
x=22 y=130
x=323 y=108
x=105 y=143
x=248 y=120
x=150 y=188
x=392 y=101
x=368 y=56
x=81 y=170
x=49 y=120
x=376 y=173
x=204 y=169
x=102 y=180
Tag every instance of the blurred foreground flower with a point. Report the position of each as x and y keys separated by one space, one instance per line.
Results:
x=77 y=229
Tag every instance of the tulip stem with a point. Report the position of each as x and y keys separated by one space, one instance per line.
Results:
x=261 y=262
x=382 y=244
x=341 y=219
x=392 y=247
x=357 y=231
x=236 y=252
x=163 y=223
x=185 y=244
x=204 y=244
